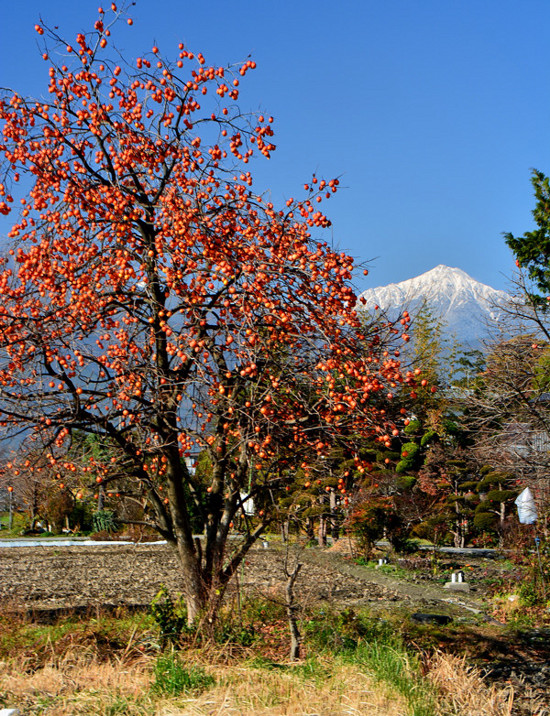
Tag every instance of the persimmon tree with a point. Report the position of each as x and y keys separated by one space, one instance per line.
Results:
x=154 y=298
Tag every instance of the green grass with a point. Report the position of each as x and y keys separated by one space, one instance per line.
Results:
x=396 y=667
x=392 y=570
x=376 y=646
x=312 y=669
x=335 y=630
x=172 y=677
x=17 y=526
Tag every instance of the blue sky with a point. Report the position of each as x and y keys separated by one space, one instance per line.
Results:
x=431 y=112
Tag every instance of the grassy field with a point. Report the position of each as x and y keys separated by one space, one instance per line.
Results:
x=130 y=663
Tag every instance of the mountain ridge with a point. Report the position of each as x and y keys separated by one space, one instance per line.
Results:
x=468 y=308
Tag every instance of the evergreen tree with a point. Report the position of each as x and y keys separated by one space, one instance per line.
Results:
x=429 y=343
x=532 y=250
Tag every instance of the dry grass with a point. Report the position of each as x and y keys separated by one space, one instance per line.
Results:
x=256 y=692
x=465 y=691
x=84 y=687
x=108 y=689
x=74 y=686
x=97 y=668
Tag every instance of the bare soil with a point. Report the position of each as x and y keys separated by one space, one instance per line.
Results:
x=49 y=577
x=67 y=577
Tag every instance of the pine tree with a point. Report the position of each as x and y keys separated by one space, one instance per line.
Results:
x=532 y=250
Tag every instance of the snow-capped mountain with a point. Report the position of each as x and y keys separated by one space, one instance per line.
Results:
x=467 y=307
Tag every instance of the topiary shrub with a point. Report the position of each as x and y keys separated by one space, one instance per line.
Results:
x=429 y=437
x=485 y=521
x=468 y=485
x=58 y=507
x=494 y=478
x=410 y=454
x=413 y=427
x=500 y=496
x=391 y=455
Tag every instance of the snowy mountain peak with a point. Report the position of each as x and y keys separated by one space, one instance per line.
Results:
x=466 y=306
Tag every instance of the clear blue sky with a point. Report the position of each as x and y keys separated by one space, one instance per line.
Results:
x=432 y=112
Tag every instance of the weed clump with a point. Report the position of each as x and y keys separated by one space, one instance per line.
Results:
x=346 y=629
x=170 y=616
x=172 y=677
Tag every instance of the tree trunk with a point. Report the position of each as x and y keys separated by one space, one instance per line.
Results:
x=333 y=521
x=193 y=583
x=322 y=532
x=457 y=525
x=291 y=610
x=284 y=531
x=206 y=576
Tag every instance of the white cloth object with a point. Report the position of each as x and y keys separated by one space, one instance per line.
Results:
x=247 y=506
x=527 y=510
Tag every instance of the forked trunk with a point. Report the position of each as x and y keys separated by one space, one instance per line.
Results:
x=204 y=592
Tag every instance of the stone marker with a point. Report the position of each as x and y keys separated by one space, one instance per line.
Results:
x=457 y=583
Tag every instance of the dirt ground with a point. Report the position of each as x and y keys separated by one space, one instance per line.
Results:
x=66 y=577
x=48 y=577
x=57 y=578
